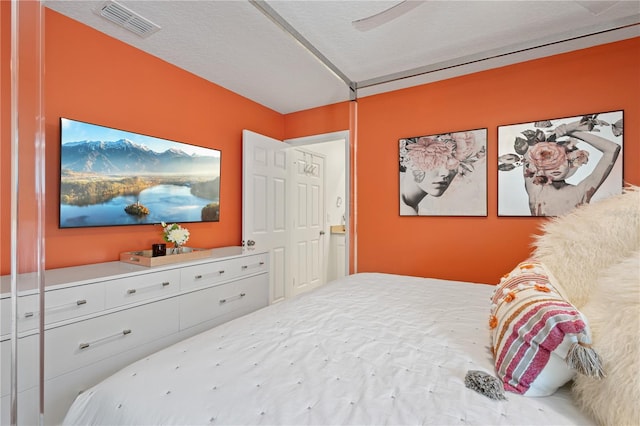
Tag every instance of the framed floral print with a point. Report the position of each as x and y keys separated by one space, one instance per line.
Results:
x=444 y=174
x=549 y=167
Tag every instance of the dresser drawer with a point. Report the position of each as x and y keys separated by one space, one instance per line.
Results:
x=73 y=302
x=199 y=276
x=85 y=342
x=60 y=305
x=27 y=314
x=27 y=367
x=27 y=408
x=244 y=296
x=142 y=287
x=205 y=275
x=253 y=264
x=5 y=316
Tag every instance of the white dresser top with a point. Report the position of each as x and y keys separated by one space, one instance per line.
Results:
x=77 y=275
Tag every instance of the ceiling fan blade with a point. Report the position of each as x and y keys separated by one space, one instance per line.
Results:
x=374 y=21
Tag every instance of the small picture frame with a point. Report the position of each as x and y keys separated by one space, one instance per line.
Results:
x=444 y=174
x=549 y=167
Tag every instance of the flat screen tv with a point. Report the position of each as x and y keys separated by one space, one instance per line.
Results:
x=111 y=177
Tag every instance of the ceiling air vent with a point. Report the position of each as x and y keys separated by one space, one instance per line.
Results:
x=126 y=18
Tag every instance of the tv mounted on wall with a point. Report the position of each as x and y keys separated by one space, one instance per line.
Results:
x=111 y=177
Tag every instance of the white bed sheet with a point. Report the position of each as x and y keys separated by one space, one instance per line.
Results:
x=368 y=349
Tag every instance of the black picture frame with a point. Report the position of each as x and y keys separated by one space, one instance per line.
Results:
x=548 y=167
x=443 y=174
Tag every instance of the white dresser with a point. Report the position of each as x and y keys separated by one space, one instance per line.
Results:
x=101 y=317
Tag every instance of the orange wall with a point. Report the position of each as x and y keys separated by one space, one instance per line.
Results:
x=328 y=119
x=27 y=41
x=5 y=135
x=92 y=77
x=602 y=78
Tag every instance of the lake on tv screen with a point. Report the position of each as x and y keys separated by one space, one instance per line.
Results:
x=166 y=203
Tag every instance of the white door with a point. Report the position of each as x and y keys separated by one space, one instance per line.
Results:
x=308 y=230
x=264 y=201
x=336 y=192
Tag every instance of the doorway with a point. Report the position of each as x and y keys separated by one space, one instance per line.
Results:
x=308 y=216
x=268 y=170
x=335 y=148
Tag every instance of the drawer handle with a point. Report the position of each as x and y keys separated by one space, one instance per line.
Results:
x=229 y=299
x=121 y=333
x=200 y=276
x=57 y=308
x=255 y=265
x=134 y=291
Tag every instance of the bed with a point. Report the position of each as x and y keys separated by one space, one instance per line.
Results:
x=366 y=349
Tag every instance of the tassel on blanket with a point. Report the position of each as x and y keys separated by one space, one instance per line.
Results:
x=582 y=358
x=485 y=384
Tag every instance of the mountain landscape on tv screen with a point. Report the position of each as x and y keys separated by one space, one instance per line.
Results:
x=122 y=182
x=126 y=157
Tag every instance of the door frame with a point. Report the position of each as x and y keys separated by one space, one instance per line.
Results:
x=343 y=136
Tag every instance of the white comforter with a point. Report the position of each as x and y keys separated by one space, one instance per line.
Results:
x=365 y=350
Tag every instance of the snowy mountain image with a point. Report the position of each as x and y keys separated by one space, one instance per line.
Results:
x=125 y=157
x=122 y=181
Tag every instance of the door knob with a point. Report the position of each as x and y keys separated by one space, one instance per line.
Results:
x=251 y=243
x=321 y=232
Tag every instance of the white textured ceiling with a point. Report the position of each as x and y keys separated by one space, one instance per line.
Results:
x=235 y=45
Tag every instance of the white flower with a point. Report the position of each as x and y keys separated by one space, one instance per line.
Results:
x=174 y=233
